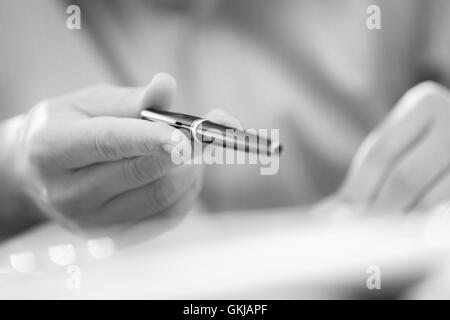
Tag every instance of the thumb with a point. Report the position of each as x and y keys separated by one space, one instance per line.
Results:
x=126 y=102
x=159 y=93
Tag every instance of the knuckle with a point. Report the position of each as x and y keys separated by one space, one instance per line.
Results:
x=134 y=172
x=104 y=145
x=145 y=146
x=36 y=155
x=168 y=192
x=151 y=168
x=37 y=135
x=39 y=154
x=156 y=167
x=162 y=195
x=42 y=105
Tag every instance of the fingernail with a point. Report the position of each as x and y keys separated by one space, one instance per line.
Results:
x=173 y=152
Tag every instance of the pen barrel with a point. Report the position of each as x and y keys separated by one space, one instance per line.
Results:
x=207 y=132
x=211 y=133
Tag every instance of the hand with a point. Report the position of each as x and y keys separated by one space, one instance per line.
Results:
x=88 y=161
x=404 y=164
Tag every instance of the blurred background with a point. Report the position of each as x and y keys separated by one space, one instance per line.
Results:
x=309 y=68
x=312 y=69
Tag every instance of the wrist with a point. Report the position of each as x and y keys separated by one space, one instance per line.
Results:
x=17 y=210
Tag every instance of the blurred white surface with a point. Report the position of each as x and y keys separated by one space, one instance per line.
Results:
x=270 y=254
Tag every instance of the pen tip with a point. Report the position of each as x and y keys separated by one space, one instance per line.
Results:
x=277 y=148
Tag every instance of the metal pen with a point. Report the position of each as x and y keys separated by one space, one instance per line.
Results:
x=208 y=132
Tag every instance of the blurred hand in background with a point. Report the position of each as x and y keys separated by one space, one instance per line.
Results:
x=404 y=164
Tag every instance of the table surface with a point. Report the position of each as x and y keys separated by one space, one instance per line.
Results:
x=271 y=254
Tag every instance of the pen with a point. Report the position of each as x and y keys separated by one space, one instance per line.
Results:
x=208 y=132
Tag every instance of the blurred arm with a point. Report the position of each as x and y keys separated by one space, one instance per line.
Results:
x=17 y=212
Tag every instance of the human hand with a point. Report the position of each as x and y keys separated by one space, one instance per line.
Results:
x=90 y=164
x=404 y=164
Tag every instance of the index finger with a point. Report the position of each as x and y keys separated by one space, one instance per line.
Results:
x=125 y=102
x=105 y=139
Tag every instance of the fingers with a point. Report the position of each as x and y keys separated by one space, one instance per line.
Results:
x=104 y=139
x=408 y=125
x=108 y=133
x=112 y=178
x=107 y=180
x=160 y=93
x=146 y=201
x=160 y=222
x=125 y=102
x=414 y=175
x=421 y=175
x=440 y=192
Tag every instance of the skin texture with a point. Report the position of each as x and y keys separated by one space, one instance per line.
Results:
x=87 y=161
